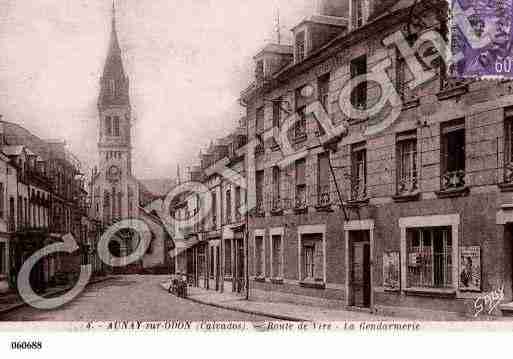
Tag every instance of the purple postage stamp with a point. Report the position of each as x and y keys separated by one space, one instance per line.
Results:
x=482 y=38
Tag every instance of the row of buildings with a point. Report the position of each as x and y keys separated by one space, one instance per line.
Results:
x=416 y=218
x=42 y=198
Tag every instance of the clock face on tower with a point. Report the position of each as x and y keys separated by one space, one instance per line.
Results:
x=113 y=174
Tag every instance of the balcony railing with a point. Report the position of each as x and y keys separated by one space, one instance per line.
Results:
x=324 y=197
x=277 y=204
x=259 y=208
x=300 y=202
x=452 y=180
x=358 y=190
x=407 y=185
x=508 y=173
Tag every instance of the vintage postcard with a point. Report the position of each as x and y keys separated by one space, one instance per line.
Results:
x=255 y=166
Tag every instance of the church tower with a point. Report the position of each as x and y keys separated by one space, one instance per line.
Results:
x=114 y=187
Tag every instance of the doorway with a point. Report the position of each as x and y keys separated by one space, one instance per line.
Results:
x=360 y=269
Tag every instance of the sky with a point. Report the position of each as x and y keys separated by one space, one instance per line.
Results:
x=187 y=60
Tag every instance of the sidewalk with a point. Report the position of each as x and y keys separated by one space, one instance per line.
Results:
x=280 y=311
x=12 y=301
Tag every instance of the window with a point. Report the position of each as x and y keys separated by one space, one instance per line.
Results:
x=259 y=71
x=108 y=126
x=407 y=179
x=259 y=256
x=323 y=84
x=214 y=210
x=277 y=112
x=358 y=172
x=300 y=46
x=229 y=206
x=312 y=258
x=260 y=192
x=323 y=180
x=453 y=155
x=300 y=184
x=276 y=256
x=112 y=86
x=2 y=200
x=429 y=257
x=358 y=15
x=309 y=253
x=276 y=188
x=400 y=74
x=106 y=207
x=260 y=120
x=508 y=145
x=237 y=204
x=227 y=257
x=3 y=258
x=300 y=125
x=359 y=94
x=116 y=127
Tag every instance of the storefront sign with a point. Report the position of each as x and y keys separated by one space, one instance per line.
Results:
x=391 y=271
x=470 y=269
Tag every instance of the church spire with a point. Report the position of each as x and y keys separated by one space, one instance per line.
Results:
x=114 y=83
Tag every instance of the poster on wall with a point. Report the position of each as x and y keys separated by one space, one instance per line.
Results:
x=391 y=271
x=470 y=269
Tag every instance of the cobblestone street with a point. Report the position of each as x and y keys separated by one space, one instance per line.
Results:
x=129 y=298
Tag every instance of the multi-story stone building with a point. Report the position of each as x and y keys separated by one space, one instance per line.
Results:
x=47 y=200
x=413 y=217
x=212 y=250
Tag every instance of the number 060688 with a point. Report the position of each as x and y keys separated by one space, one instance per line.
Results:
x=22 y=345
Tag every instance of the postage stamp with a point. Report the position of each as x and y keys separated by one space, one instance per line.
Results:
x=482 y=35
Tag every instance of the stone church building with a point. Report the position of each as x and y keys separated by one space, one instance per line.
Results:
x=116 y=193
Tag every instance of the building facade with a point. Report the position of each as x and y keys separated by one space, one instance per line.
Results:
x=414 y=217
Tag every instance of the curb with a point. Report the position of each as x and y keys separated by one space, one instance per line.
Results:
x=23 y=304
x=242 y=310
x=248 y=311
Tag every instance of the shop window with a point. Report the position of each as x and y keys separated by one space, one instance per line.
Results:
x=312 y=258
x=429 y=258
x=277 y=256
x=227 y=257
x=3 y=258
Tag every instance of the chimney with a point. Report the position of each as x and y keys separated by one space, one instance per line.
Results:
x=338 y=8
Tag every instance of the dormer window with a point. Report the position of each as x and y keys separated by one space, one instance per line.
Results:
x=300 y=46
